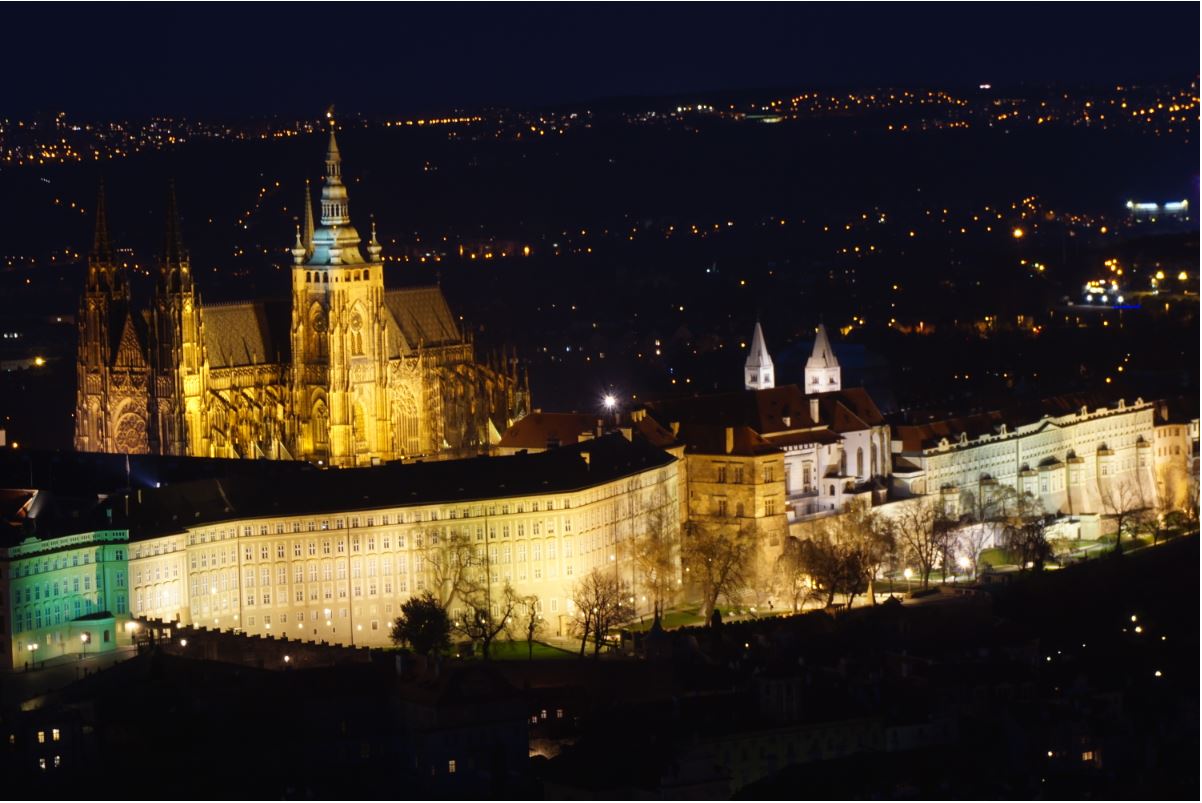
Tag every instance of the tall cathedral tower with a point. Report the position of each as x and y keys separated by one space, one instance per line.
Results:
x=339 y=352
x=177 y=356
x=822 y=372
x=758 y=370
x=112 y=372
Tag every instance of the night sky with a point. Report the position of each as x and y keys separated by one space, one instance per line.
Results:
x=234 y=60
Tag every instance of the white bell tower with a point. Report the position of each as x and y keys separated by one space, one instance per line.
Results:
x=758 y=371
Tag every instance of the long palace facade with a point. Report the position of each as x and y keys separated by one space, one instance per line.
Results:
x=333 y=557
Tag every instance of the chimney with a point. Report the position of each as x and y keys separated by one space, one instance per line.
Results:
x=814 y=409
x=730 y=439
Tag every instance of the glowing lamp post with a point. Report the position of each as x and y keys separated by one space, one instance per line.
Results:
x=907 y=574
x=610 y=403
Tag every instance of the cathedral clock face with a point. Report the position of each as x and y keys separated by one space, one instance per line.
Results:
x=319 y=323
x=356 y=320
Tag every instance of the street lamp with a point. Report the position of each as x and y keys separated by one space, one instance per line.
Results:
x=610 y=402
x=907 y=574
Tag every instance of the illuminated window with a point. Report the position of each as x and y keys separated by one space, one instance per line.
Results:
x=54 y=735
x=451 y=766
x=41 y=737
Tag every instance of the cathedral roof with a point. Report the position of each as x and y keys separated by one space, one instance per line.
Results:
x=423 y=317
x=246 y=333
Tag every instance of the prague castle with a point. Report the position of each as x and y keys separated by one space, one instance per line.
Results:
x=349 y=373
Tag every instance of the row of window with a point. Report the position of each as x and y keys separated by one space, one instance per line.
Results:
x=721 y=509
x=45 y=615
x=354 y=522
x=734 y=473
x=47 y=590
x=48 y=565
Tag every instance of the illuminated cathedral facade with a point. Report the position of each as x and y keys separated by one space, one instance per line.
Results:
x=347 y=373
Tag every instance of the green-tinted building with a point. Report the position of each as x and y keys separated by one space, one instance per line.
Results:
x=65 y=596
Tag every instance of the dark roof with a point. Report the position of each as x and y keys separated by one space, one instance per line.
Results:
x=710 y=439
x=171 y=508
x=1177 y=410
x=850 y=409
x=539 y=430
x=920 y=435
x=764 y=411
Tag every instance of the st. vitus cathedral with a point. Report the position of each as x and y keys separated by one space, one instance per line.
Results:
x=348 y=373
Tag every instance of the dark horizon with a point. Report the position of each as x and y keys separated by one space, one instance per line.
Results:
x=202 y=61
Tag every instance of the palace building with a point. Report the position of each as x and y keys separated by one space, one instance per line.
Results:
x=333 y=556
x=347 y=372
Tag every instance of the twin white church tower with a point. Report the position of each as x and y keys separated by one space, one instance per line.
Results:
x=822 y=372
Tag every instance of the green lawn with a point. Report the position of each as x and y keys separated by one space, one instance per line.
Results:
x=997 y=557
x=687 y=617
x=517 y=651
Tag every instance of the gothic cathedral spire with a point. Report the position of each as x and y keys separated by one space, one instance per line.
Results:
x=307 y=237
x=176 y=273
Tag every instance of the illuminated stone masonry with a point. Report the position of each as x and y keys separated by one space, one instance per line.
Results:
x=347 y=373
x=69 y=596
x=333 y=557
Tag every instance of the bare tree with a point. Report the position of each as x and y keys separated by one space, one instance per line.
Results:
x=869 y=541
x=486 y=615
x=970 y=542
x=655 y=552
x=450 y=563
x=597 y=599
x=719 y=559
x=793 y=569
x=532 y=618
x=923 y=532
x=1025 y=532
x=1125 y=502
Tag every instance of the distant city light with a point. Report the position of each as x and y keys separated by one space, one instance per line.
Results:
x=1018 y=233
